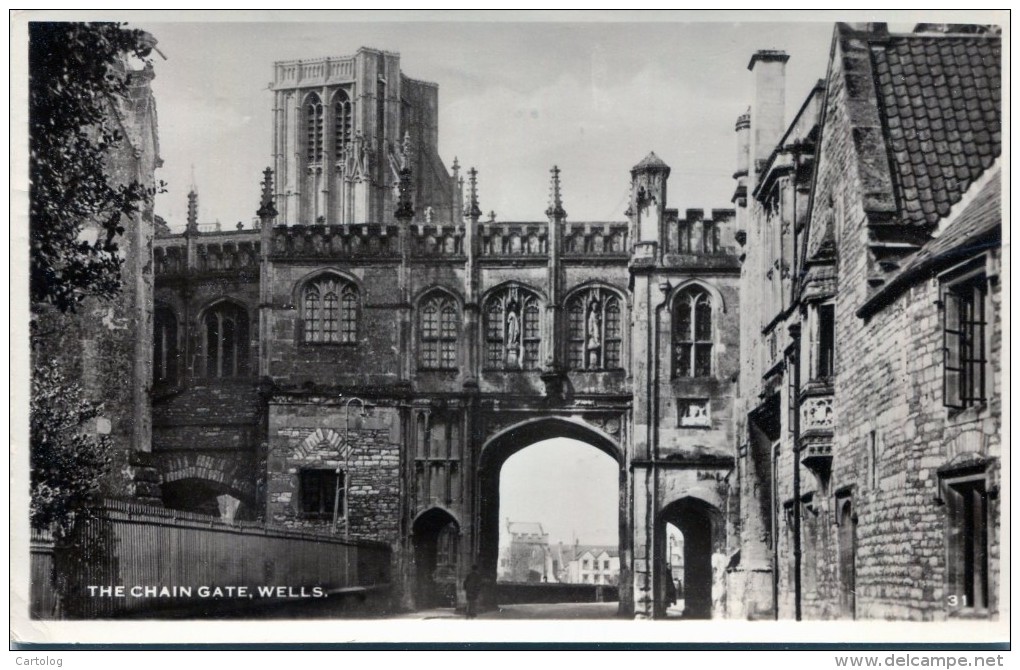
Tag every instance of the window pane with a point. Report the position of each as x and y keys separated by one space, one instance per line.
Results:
x=531 y=319
x=330 y=315
x=449 y=322
x=826 y=340
x=348 y=316
x=703 y=319
x=228 y=349
x=613 y=354
x=212 y=344
x=449 y=355
x=429 y=355
x=576 y=354
x=494 y=321
x=311 y=316
x=683 y=317
x=430 y=320
x=612 y=319
x=683 y=360
x=702 y=360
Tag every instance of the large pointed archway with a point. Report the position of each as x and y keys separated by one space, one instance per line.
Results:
x=498 y=448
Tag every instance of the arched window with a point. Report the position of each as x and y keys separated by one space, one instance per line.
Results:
x=692 y=333
x=438 y=327
x=313 y=129
x=330 y=311
x=164 y=346
x=342 y=122
x=225 y=341
x=594 y=330
x=512 y=330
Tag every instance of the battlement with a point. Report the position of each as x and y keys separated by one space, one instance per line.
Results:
x=235 y=251
x=355 y=240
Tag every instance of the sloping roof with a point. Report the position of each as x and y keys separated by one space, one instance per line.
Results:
x=651 y=161
x=572 y=552
x=524 y=528
x=941 y=99
x=977 y=227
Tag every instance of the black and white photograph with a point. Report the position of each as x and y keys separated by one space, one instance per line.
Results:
x=374 y=327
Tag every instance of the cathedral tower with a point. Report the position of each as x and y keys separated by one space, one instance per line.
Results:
x=343 y=128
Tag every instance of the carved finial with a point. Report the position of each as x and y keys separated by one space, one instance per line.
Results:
x=192 y=188
x=405 y=151
x=555 y=210
x=267 y=209
x=405 y=209
x=456 y=170
x=492 y=216
x=472 y=209
x=192 y=210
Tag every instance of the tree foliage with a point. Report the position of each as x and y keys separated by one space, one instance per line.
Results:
x=68 y=458
x=75 y=78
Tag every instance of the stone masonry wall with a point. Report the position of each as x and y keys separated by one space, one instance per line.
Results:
x=311 y=435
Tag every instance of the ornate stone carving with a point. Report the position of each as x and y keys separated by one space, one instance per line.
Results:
x=816 y=413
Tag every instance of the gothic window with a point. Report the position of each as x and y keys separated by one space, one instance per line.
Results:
x=225 y=339
x=313 y=129
x=826 y=361
x=343 y=123
x=330 y=311
x=512 y=330
x=684 y=234
x=594 y=330
x=321 y=492
x=438 y=328
x=692 y=333
x=164 y=346
x=964 y=322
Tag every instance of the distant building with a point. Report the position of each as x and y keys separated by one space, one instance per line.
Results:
x=527 y=557
x=588 y=564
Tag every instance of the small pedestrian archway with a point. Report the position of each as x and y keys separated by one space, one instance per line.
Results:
x=500 y=447
x=703 y=530
x=436 y=542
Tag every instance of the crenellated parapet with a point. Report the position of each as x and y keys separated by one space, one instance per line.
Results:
x=235 y=252
x=437 y=241
x=514 y=239
x=596 y=239
x=325 y=243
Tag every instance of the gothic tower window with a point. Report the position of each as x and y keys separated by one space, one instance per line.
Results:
x=594 y=330
x=225 y=340
x=512 y=330
x=438 y=328
x=330 y=311
x=343 y=122
x=313 y=129
x=164 y=346
x=692 y=333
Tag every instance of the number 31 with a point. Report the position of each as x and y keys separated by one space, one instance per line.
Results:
x=957 y=601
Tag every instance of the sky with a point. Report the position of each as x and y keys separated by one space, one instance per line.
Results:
x=570 y=487
x=514 y=99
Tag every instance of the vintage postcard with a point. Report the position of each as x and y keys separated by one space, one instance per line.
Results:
x=356 y=327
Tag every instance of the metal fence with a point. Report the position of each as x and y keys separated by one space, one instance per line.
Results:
x=133 y=559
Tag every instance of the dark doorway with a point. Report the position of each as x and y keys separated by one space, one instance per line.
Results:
x=208 y=498
x=436 y=543
x=701 y=525
x=847 y=559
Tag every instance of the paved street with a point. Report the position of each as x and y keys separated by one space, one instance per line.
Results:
x=529 y=611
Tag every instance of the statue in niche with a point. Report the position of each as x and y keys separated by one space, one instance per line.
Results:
x=428 y=214
x=513 y=334
x=594 y=338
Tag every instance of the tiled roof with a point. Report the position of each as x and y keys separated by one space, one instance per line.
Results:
x=941 y=96
x=977 y=227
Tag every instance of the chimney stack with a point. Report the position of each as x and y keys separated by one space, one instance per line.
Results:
x=769 y=107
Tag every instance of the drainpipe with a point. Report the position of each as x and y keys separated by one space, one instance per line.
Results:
x=774 y=523
x=795 y=400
